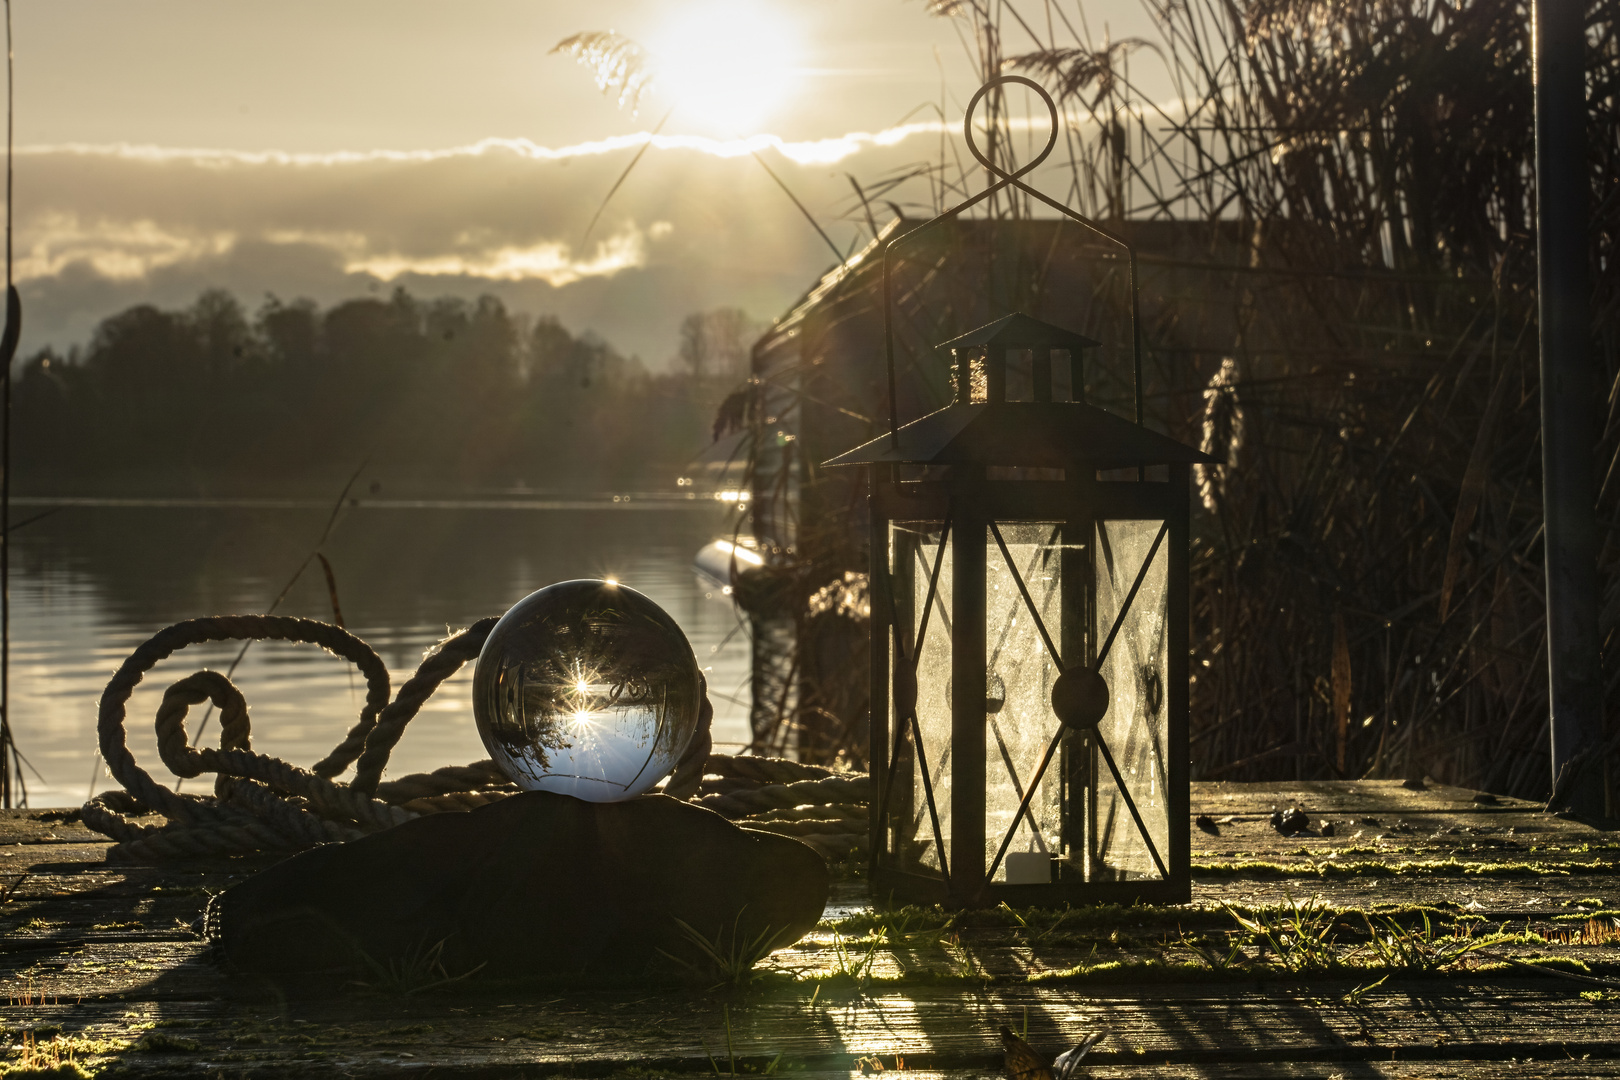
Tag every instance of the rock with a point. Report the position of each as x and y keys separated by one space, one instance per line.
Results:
x=1290 y=821
x=536 y=885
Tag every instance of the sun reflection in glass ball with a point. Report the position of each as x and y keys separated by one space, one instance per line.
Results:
x=586 y=688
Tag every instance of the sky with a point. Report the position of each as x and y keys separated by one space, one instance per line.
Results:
x=347 y=147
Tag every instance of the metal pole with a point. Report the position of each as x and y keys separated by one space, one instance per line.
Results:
x=1568 y=405
x=8 y=350
x=968 y=600
x=878 y=754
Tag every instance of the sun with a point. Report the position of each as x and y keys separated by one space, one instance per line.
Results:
x=726 y=64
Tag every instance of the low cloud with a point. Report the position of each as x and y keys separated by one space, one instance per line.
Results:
x=119 y=250
x=553 y=262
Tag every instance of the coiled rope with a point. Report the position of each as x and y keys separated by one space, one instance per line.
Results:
x=262 y=803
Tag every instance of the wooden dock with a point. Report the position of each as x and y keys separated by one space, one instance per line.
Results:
x=1495 y=954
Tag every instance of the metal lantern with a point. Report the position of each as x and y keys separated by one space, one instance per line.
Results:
x=1029 y=628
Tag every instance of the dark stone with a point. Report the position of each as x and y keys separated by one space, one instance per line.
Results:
x=1291 y=821
x=536 y=885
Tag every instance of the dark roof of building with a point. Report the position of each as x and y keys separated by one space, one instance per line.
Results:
x=1041 y=434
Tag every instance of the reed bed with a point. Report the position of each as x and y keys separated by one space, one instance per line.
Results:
x=1336 y=216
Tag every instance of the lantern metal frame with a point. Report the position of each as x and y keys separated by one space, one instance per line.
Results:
x=1078 y=453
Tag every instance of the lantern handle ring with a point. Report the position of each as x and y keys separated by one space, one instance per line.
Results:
x=1051 y=138
x=1004 y=180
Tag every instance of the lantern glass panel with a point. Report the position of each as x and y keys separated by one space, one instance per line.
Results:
x=915 y=549
x=978 y=377
x=1019 y=673
x=1137 y=670
x=1020 y=375
x=1063 y=388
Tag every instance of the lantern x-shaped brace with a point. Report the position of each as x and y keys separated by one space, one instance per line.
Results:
x=905 y=698
x=1082 y=709
x=1075 y=697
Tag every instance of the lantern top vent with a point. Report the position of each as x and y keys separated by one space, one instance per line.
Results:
x=986 y=378
x=986 y=428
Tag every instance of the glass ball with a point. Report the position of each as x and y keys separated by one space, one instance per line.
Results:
x=586 y=688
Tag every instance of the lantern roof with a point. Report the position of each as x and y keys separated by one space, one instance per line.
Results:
x=1039 y=434
x=1020 y=331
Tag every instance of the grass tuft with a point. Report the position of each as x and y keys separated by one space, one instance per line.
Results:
x=422 y=970
x=731 y=959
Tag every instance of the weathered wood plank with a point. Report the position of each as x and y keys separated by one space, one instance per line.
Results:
x=928 y=1027
x=1331 y=797
x=106 y=952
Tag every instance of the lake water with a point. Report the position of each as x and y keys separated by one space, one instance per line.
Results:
x=92 y=579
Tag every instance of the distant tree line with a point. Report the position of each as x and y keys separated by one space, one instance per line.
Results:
x=438 y=395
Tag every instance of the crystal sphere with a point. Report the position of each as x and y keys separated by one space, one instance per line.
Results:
x=586 y=688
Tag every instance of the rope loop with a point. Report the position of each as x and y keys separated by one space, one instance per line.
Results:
x=444 y=661
x=174 y=744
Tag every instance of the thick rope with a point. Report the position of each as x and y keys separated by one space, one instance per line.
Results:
x=851 y=814
x=687 y=778
x=832 y=789
x=764 y=770
x=833 y=827
x=438 y=666
x=115 y=751
x=451 y=778
x=261 y=803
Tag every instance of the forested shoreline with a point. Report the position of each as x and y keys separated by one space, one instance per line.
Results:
x=435 y=396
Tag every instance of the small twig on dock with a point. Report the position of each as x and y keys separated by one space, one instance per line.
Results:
x=6 y=893
x=1540 y=970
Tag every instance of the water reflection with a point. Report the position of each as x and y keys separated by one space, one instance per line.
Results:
x=91 y=582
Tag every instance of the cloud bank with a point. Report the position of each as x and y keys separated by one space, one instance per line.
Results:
x=828 y=151
x=698 y=224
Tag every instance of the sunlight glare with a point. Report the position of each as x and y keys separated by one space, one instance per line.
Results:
x=727 y=63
